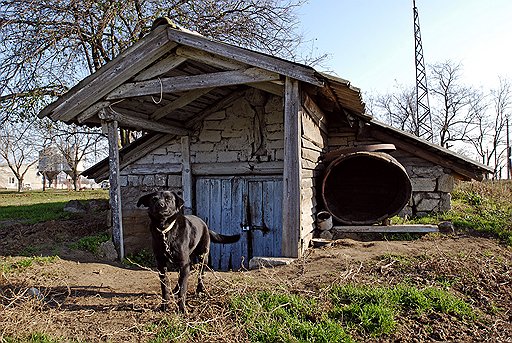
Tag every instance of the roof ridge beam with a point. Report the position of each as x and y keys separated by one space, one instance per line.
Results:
x=161 y=67
x=253 y=58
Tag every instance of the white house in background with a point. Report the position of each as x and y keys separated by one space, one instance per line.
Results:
x=32 y=179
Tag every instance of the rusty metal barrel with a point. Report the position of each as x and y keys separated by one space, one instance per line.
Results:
x=365 y=187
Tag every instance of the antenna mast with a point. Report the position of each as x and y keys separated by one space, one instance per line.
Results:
x=423 y=118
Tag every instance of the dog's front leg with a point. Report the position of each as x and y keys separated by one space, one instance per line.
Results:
x=164 y=284
x=181 y=287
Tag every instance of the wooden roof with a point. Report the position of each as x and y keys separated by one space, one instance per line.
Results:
x=171 y=79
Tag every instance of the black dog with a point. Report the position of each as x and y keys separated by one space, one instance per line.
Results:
x=179 y=240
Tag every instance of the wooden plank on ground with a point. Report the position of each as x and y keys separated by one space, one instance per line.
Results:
x=409 y=228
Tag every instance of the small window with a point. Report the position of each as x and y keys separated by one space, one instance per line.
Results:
x=11 y=180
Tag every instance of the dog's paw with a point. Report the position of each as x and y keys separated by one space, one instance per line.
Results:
x=164 y=307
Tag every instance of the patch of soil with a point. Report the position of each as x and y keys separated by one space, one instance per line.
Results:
x=51 y=237
x=83 y=298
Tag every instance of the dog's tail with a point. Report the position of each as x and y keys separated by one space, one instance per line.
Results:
x=218 y=238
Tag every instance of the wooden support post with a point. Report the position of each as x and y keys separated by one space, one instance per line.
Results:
x=292 y=170
x=115 y=187
x=186 y=174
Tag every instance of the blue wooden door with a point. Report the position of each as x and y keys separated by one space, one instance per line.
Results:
x=250 y=206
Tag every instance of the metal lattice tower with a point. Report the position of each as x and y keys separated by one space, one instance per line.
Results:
x=423 y=118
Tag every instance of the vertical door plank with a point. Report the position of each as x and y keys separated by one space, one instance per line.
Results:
x=215 y=219
x=256 y=211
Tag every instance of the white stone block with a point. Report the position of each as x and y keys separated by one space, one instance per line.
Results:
x=421 y=184
x=445 y=183
x=205 y=157
x=202 y=147
x=219 y=115
x=210 y=136
x=174 y=181
x=161 y=180
x=123 y=181
x=227 y=156
x=232 y=133
x=148 y=180
x=134 y=180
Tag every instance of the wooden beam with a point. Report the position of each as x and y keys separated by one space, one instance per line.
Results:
x=151 y=168
x=253 y=58
x=185 y=83
x=209 y=58
x=237 y=168
x=186 y=175
x=111 y=75
x=315 y=112
x=142 y=124
x=411 y=228
x=161 y=67
x=92 y=111
x=180 y=102
x=115 y=187
x=292 y=170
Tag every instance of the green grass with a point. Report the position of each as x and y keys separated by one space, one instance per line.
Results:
x=142 y=258
x=483 y=207
x=271 y=316
x=37 y=206
x=10 y=265
x=35 y=337
x=279 y=317
x=374 y=309
x=176 y=329
x=90 y=243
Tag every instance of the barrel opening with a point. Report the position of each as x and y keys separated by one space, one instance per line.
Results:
x=364 y=188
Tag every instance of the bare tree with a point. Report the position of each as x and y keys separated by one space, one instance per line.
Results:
x=74 y=145
x=46 y=46
x=454 y=105
x=398 y=109
x=488 y=136
x=17 y=150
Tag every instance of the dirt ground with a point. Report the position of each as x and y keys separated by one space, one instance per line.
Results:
x=88 y=299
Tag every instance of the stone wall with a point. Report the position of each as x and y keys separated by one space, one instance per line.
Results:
x=248 y=133
x=431 y=183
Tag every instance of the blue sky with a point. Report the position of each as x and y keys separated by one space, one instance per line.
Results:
x=371 y=42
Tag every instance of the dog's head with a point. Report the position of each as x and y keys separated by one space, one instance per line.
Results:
x=162 y=204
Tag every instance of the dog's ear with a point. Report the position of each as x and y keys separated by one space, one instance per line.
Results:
x=179 y=201
x=144 y=200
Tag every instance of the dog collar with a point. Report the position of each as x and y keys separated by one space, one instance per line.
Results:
x=169 y=227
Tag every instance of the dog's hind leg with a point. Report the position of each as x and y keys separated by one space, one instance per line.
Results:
x=202 y=264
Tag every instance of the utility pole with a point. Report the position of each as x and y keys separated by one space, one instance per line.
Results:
x=509 y=157
x=423 y=117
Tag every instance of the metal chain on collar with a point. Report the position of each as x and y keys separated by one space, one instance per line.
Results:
x=166 y=243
